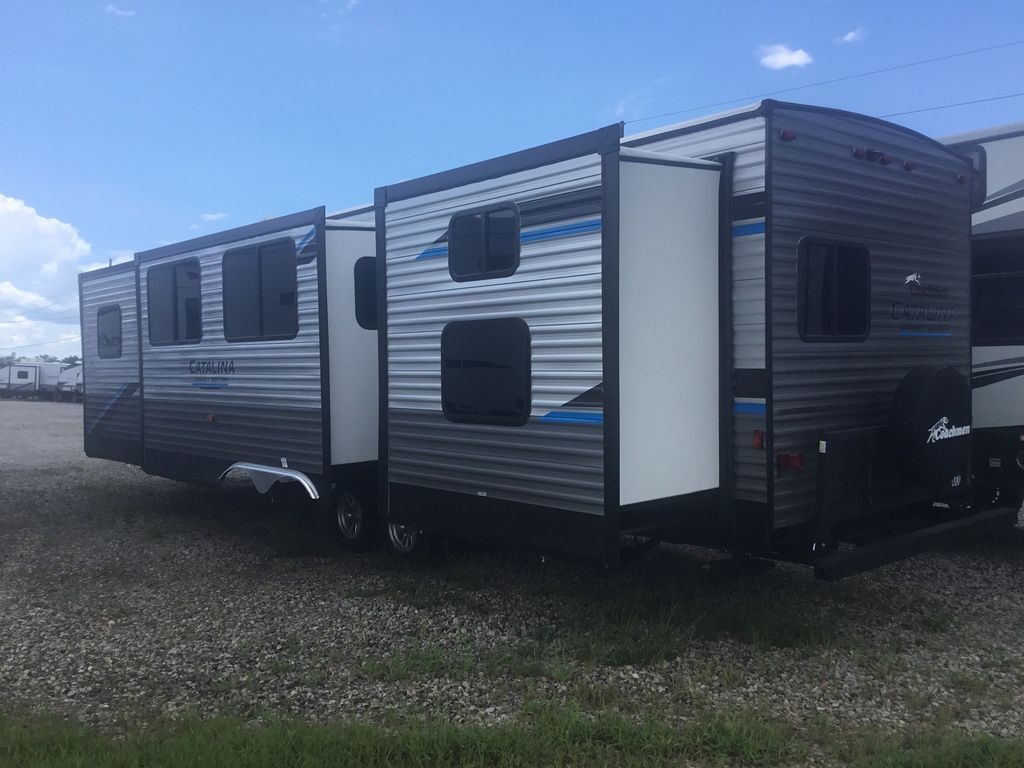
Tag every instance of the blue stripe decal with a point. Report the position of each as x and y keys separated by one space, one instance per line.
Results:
x=930 y=334
x=572 y=417
x=209 y=384
x=534 y=236
x=756 y=408
x=748 y=229
x=302 y=243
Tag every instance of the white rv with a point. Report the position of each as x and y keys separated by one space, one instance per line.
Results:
x=27 y=379
x=748 y=331
x=249 y=351
x=998 y=310
x=69 y=383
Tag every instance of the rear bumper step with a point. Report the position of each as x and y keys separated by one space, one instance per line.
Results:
x=849 y=562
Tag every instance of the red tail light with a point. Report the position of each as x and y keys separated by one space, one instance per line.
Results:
x=909 y=165
x=758 y=440
x=885 y=159
x=789 y=461
x=787 y=135
x=859 y=153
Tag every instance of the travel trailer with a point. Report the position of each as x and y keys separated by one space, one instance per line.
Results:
x=998 y=311
x=69 y=383
x=749 y=331
x=248 y=352
x=28 y=379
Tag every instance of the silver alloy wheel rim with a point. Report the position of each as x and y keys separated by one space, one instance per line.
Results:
x=349 y=516
x=402 y=537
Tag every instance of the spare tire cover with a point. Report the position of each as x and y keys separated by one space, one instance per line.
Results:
x=930 y=423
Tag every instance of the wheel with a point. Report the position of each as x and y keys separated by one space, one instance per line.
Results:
x=404 y=540
x=353 y=522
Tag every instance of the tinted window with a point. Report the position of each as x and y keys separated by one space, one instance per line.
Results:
x=22 y=374
x=484 y=244
x=485 y=371
x=174 y=303
x=365 y=282
x=998 y=309
x=834 y=291
x=260 y=287
x=108 y=331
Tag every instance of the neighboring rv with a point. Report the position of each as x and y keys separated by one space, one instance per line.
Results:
x=250 y=351
x=749 y=331
x=30 y=379
x=998 y=310
x=69 y=384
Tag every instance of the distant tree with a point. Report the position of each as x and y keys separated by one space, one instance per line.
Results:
x=71 y=360
x=48 y=358
x=8 y=359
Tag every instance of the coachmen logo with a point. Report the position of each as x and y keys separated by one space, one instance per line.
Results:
x=941 y=430
x=916 y=285
x=914 y=278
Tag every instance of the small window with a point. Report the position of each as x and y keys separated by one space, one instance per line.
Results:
x=260 y=287
x=485 y=371
x=365 y=282
x=834 y=291
x=22 y=374
x=108 y=331
x=998 y=309
x=174 y=303
x=484 y=244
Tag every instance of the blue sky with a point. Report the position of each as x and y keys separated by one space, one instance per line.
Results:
x=122 y=125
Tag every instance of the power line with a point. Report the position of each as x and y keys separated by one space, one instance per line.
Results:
x=844 y=78
x=58 y=319
x=957 y=104
x=40 y=344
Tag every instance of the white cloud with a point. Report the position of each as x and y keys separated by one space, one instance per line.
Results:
x=113 y=257
x=193 y=227
x=113 y=10
x=783 y=57
x=213 y=216
x=633 y=105
x=39 y=259
x=853 y=36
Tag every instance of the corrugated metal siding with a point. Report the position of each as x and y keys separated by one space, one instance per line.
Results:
x=910 y=222
x=745 y=138
x=112 y=399
x=556 y=290
x=270 y=407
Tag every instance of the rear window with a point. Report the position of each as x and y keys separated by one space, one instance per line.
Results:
x=22 y=375
x=486 y=371
x=174 y=303
x=108 y=331
x=260 y=287
x=484 y=243
x=833 y=291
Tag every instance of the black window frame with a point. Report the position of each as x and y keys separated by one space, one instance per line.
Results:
x=255 y=250
x=106 y=309
x=173 y=265
x=510 y=421
x=364 y=292
x=803 y=247
x=485 y=211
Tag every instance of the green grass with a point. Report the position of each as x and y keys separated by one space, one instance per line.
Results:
x=552 y=738
x=548 y=737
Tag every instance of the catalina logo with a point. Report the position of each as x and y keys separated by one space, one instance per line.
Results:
x=941 y=430
x=914 y=279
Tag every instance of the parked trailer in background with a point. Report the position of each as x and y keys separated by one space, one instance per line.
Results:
x=30 y=380
x=749 y=331
x=997 y=377
x=69 y=383
x=250 y=351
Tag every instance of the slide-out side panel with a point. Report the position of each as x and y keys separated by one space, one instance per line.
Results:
x=112 y=399
x=745 y=138
x=915 y=227
x=556 y=459
x=668 y=331
x=213 y=403
x=353 y=351
x=997 y=386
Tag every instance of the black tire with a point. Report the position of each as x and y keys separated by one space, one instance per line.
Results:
x=354 y=522
x=410 y=543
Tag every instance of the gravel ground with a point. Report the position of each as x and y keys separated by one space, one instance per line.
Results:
x=125 y=597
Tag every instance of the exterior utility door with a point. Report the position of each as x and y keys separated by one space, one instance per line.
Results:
x=110 y=347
